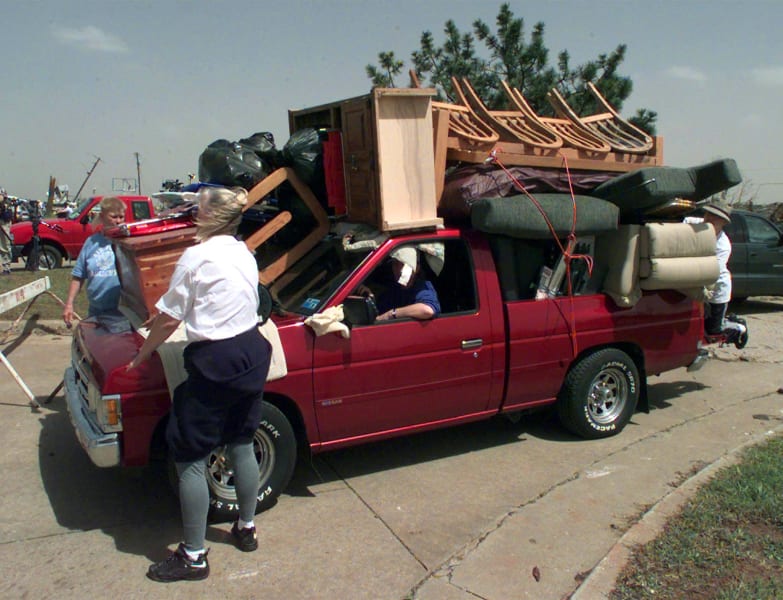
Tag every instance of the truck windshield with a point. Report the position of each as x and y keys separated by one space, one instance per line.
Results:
x=77 y=212
x=310 y=283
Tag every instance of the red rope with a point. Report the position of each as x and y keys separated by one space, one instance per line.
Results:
x=567 y=250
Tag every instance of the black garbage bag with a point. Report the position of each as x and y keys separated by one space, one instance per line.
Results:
x=231 y=164
x=303 y=152
x=263 y=144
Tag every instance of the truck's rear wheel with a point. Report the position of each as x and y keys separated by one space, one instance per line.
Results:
x=599 y=394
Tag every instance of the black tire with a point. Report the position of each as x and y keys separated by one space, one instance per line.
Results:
x=276 y=451
x=49 y=258
x=599 y=394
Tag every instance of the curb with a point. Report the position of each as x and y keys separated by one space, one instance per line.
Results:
x=601 y=581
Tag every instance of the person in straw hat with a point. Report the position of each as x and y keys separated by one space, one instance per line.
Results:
x=718 y=214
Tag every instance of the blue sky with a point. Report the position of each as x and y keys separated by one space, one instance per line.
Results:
x=111 y=78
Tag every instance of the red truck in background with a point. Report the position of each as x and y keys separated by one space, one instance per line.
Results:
x=63 y=238
x=496 y=348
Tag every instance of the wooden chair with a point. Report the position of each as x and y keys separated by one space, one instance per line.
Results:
x=573 y=134
x=608 y=126
x=272 y=271
x=512 y=125
x=463 y=122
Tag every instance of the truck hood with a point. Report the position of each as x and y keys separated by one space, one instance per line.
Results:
x=107 y=354
x=23 y=231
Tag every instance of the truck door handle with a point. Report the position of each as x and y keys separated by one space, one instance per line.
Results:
x=471 y=344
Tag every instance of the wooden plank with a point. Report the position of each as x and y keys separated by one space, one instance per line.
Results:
x=411 y=225
x=440 y=126
x=519 y=155
x=277 y=267
x=23 y=294
x=406 y=160
x=268 y=230
x=265 y=187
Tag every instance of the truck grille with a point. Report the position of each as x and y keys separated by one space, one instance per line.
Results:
x=82 y=372
x=105 y=411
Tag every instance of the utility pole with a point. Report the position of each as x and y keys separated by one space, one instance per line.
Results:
x=95 y=164
x=138 y=173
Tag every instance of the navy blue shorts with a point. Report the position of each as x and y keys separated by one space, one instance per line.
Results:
x=220 y=401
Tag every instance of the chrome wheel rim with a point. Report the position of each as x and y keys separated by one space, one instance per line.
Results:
x=220 y=471
x=607 y=396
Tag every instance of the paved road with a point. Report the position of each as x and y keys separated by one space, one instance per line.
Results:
x=457 y=514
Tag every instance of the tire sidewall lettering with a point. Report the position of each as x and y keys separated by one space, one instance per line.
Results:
x=625 y=370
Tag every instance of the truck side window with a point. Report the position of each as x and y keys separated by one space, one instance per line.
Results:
x=141 y=211
x=456 y=284
x=519 y=264
x=761 y=232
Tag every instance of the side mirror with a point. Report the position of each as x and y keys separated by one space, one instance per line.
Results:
x=359 y=310
x=85 y=219
x=264 y=303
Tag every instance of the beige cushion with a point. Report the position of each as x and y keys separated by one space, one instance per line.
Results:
x=680 y=272
x=618 y=251
x=673 y=240
x=677 y=255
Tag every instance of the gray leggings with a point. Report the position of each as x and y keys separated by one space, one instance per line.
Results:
x=194 y=493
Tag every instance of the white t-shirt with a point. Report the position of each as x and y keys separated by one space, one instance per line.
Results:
x=214 y=290
x=722 y=291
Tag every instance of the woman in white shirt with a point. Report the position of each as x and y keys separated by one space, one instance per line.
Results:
x=214 y=291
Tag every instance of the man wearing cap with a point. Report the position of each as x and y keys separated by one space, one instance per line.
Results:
x=6 y=216
x=719 y=215
x=411 y=296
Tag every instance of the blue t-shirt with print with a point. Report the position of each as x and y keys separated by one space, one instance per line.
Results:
x=96 y=265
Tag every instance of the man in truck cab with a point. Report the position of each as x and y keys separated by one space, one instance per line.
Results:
x=410 y=295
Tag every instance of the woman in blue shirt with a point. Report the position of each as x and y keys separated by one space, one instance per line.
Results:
x=95 y=265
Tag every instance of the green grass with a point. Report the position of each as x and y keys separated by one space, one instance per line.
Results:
x=727 y=543
x=44 y=306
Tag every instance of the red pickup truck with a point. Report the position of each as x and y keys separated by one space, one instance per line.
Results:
x=494 y=349
x=63 y=238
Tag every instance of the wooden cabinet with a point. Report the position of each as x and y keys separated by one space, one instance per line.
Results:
x=145 y=264
x=388 y=155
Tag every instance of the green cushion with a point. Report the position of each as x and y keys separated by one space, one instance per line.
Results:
x=517 y=216
x=637 y=191
x=714 y=177
x=645 y=188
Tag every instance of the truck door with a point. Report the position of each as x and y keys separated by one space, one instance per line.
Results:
x=764 y=257
x=402 y=373
x=738 y=261
x=78 y=229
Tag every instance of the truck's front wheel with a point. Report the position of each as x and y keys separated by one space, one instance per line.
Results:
x=50 y=258
x=275 y=448
x=599 y=394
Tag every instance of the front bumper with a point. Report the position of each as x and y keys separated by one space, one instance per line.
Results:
x=102 y=448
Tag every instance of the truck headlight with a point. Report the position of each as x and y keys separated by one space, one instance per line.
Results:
x=108 y=412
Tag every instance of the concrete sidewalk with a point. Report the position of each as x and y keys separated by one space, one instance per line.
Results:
x=490 y=510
